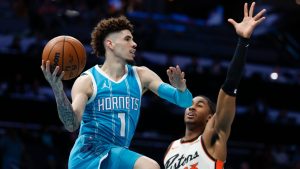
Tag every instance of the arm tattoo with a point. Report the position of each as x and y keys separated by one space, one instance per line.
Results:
x=65 y=112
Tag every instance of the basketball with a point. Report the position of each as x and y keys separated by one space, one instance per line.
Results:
x=66 y=52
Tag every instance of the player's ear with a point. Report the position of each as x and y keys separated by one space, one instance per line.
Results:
x=108 y=43
x=208 y=117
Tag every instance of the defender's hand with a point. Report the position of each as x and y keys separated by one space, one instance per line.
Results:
x=246 y=27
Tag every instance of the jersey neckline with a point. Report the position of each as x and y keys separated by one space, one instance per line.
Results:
x=108 y=77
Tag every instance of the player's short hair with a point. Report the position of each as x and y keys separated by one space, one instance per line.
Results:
x=105 y=27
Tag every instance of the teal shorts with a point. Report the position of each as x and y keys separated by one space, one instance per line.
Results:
x=88 y=154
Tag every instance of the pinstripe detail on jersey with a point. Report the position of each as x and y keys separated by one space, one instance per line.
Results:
x=94 y=87
x=112 y=112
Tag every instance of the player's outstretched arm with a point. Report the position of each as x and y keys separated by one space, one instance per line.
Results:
x=176 y=93
x=226 y=107
x=65 y=109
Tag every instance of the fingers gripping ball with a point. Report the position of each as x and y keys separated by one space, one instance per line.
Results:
x=66 y=52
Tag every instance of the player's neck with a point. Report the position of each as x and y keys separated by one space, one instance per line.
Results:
x=114 y=70
x=190 y=134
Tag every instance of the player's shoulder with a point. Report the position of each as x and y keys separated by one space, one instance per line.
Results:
x=142 y=69
x=84 y=78
x=174 y=143
x=83 y=83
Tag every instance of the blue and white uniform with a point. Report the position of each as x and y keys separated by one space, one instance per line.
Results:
x=108 y=122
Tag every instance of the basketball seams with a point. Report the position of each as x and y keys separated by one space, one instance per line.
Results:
x=68 y=47
x=79 y=66
x=63 y=54
x=48 y=44
x=50 y=51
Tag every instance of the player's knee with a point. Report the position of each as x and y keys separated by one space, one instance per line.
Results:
x=152 y=165
x=155 y=165
x=146 y=163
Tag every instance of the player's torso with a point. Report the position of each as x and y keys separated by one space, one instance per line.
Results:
x=190 y=155
x=112 y=112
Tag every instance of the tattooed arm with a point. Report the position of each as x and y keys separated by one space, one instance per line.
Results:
x=65 y=110
x=69 y=113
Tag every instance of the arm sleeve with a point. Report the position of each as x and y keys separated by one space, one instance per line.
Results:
x=236 y=67
x=173 y=95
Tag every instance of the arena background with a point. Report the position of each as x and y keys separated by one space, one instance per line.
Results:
x=193 y=34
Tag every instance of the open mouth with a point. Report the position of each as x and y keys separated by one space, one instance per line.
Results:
x=132 y=52
x=190 y=115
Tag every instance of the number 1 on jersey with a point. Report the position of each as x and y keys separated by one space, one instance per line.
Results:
x=121 y=116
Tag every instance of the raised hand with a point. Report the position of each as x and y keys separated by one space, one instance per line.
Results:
x=176 y=78
x=246 y=27
x=54 y=80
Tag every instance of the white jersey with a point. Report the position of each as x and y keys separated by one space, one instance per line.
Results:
x=190 y=155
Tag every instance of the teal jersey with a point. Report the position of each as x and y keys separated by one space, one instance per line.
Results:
x=112 y=112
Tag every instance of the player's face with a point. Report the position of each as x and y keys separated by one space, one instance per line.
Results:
x=198 y=113
x=124 y=46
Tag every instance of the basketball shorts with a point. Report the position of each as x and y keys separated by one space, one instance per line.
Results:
x=89 y=154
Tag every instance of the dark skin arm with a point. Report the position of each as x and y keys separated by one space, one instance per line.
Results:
x=217 y=131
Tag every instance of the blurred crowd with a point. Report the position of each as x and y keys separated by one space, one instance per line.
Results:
x=31 y=136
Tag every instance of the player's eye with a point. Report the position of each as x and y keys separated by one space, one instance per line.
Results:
x=127 y=38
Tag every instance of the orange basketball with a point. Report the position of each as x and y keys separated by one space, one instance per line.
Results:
x=66 y=52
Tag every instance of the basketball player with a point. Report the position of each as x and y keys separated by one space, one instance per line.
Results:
x=106 y=100
x=208 y=126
